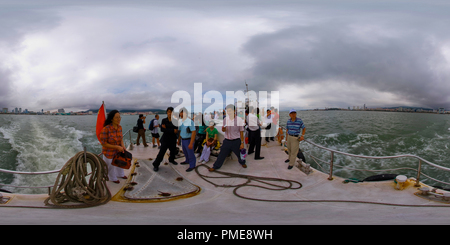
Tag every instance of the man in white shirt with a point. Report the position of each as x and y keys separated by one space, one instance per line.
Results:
x=269 y=121
x=254 y=134
x=207 y=118
x=233 y=127
x=155 y=134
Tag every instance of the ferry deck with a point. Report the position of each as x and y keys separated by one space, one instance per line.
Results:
x=174 y=196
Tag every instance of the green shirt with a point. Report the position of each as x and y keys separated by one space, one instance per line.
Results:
x=211 y=133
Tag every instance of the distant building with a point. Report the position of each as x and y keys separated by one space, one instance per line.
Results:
x=5 y=110
x=61 y=111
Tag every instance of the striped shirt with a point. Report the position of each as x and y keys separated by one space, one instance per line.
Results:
x=111 y=136
x=293 y=128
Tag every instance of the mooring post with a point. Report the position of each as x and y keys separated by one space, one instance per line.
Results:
x=418 y=174
x=331 y=166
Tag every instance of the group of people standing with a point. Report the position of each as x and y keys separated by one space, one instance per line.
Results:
x=153 y=127
x=198 y=141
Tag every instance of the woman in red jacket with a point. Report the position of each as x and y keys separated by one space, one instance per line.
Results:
x=111 y=139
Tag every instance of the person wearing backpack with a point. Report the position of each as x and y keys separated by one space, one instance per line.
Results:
x=141 y=130
x=153 y=127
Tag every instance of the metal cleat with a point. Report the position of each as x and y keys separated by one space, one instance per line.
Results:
x=424 y=191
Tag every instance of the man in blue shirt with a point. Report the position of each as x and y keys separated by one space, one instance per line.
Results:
x=295 y=132
x=187 y=138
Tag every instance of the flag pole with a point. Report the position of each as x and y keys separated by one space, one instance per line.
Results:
x=104 y=107
x=101 y=117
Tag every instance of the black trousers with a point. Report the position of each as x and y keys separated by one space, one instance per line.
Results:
x=227 y=147
x=254 y=139
x=198 y=143
x=170 y=144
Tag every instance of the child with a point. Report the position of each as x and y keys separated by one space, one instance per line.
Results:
x=211 y=141
x=280 y=135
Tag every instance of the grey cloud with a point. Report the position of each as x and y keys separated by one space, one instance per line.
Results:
x=306 y=42
x=402 y=64
x=16 y=21
x=4 y=87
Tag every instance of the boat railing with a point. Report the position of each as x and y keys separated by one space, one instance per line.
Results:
x=126 y=136
x=419 y=168
x=28 y=173
x=331 y=162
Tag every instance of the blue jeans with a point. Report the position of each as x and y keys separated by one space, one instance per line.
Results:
x=188 y=153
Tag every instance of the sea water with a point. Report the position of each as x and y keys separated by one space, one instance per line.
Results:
x=33 y=143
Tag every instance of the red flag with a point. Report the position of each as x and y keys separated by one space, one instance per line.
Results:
x=101 y=117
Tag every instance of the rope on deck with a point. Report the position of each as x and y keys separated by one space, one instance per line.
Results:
x=74 y=187
x=291 y=184
x=265 y=180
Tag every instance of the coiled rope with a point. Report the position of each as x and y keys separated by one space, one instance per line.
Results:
x=291 y=184
x=264 y=180
x=74 y=187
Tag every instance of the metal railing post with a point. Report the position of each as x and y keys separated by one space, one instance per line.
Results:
x=331 y=166
x=418 y=174
x=131 y=144
x=85 y=158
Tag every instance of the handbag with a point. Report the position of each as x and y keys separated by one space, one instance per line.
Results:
x=243 y=154
x=122 y=160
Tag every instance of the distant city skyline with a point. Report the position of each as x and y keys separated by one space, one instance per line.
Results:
x=364 y=107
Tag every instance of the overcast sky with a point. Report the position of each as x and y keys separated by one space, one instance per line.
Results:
x=74 y=54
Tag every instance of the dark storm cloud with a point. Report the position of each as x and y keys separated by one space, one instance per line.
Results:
x=4 y=88
x=406 y=60
x=15 y=22
x=136 y=54
x=18 y=20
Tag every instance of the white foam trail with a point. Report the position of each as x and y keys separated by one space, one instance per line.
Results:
x=43 y=146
